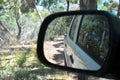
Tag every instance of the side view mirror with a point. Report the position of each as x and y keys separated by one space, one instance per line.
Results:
x=79 y=41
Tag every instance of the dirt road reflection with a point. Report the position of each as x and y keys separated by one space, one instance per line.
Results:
x=54 y=51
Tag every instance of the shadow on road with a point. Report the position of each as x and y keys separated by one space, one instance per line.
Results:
x=58 y=40
x=59 y=58
x=58 y=45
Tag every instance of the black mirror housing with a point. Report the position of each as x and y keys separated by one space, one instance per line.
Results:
x=114 y=39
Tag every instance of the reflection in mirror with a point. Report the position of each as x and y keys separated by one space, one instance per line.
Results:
x=78 y=41
x=54 y=40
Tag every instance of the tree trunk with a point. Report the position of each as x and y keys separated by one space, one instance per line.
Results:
x=88 y=4
x=17 y=16
x=19 y=29
x=118 y=14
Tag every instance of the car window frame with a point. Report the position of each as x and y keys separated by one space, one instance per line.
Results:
x=76 y=28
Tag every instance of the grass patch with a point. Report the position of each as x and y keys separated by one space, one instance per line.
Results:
x=22 y=64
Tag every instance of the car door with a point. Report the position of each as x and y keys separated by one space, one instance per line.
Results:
x=82 y=50
x=70 y=40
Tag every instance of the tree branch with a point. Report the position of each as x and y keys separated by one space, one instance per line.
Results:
x=40 y=16
x=68 y=4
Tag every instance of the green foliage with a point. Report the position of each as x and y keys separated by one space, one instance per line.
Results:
x=47 y=3
x=58 y=27
x=73 y=1
x=8 y=20
x=104 y=8
x=99 y=2
x=21 y=58
x=109 y=6
x=24 y=8
x=13 y=41
x=114 y=5
x=22 y=64
x=32 y=52
x=94 y=36
x=18 y=62
x=25 y=74
x=52 y=5
x=33 y=16
x=21 y=74
x=44 y=13
x=9 y=68
x=27 y=6
x=1 y=1
x=41 y=66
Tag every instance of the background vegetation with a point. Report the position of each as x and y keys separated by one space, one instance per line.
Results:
x=20 y=21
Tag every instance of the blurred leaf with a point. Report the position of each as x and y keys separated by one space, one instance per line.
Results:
x=1 y=1
x=99 y=1
x=114 y=5
x=73 y=1
x=24 y=8
x=104 y=8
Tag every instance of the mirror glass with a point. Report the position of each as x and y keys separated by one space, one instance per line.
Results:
x=78 y=41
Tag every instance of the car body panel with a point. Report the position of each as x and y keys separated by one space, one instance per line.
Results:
x=75 y=51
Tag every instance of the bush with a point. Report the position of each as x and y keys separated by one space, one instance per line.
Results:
x=22 y=74
x=21 y=58
x=58 y=27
